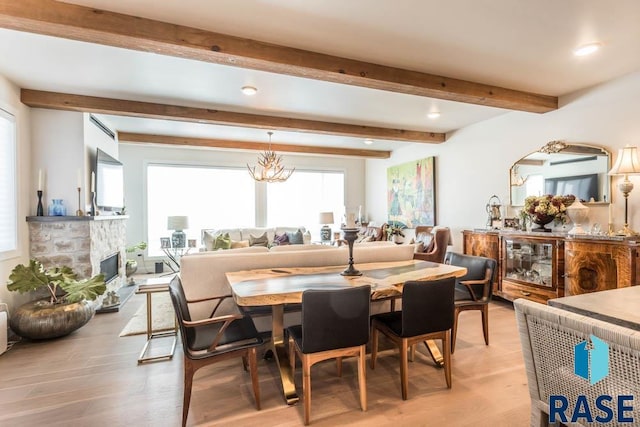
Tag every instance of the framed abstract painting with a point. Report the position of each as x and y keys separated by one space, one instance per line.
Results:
x=411 y=193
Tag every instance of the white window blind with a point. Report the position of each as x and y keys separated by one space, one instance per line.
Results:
x=8 y=183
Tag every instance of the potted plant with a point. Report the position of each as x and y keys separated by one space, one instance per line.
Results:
x=66 y=309
x=131 y=264
x=394 y=232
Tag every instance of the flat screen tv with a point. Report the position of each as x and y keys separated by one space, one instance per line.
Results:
x=109 y=182
x=584 y=187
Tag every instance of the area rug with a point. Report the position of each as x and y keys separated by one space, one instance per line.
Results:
x=162 y=315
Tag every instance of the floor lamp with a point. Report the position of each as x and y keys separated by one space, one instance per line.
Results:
x=626 y=164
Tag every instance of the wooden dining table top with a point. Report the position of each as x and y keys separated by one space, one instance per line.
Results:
x=272 y=286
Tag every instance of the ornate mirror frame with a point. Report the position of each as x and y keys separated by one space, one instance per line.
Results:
x=564 y=166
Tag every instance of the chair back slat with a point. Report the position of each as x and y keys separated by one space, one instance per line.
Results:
x=427 y=306
x=335 y=318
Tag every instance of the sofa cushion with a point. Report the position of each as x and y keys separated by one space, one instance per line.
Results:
x=296 y=238
x=235 y=244
x=209 y=236
x=222 y=241
x=281 y=239
x=259 y=241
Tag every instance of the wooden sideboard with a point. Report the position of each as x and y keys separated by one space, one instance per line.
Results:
x=541 y=266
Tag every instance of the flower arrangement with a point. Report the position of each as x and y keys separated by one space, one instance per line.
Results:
x=541 y=208
x=395 y=229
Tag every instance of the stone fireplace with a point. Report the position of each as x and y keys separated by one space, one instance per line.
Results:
x=87 y=244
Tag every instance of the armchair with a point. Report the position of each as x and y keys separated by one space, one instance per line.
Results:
x=434 y=242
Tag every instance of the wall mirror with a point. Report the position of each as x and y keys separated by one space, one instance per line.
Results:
x=562 y=168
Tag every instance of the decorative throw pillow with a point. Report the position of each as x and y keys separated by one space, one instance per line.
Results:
x=281 y=239
x=295 y=238
x=259 y=241
x=223 y=241
x=364 y=238
x=239 y=244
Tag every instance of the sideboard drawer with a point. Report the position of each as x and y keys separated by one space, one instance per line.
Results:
x=512 y=291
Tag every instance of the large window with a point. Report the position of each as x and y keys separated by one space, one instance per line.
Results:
x=8 y=183
x=300 y=199
x=210 y=197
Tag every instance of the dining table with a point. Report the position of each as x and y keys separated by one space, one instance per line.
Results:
x=619 y=306
x=276 y=287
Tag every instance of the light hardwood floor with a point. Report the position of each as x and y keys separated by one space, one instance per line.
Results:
x=91 y=378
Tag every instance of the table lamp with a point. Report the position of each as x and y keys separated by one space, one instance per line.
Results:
x=178 y=223
x=626 y=164
x=326 y=218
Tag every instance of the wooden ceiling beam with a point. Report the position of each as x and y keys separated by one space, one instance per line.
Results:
x=247 y=145
x=114 y=29
x=120 y=107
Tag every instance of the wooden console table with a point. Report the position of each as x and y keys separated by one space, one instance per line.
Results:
x=541 y=266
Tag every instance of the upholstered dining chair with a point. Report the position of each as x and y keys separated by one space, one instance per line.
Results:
x=473 y=290
x=212 y=340
x=335 y=324
x=427 y=313
x=434 y=243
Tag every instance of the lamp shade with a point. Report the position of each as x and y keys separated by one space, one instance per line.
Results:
x=177 y=223
x=627 y=162
x=326 y=218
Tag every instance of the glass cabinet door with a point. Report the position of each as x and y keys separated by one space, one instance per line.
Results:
x=529 y=262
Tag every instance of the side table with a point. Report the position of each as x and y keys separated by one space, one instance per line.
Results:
x=154 y=286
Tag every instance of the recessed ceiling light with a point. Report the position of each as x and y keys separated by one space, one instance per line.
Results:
x=433 y=115
x=587 y=49
x=368 y=141
x=249 y=90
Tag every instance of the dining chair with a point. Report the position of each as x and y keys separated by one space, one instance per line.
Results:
x=212 y=340
x=335 y=324
x=427 y=314
x=473 y=290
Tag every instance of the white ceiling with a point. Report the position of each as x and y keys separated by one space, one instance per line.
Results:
x=523 y=45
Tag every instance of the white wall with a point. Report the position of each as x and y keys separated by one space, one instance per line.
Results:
x=135 y=157
x=10 y=102
x=57 y=141
x=474 y=162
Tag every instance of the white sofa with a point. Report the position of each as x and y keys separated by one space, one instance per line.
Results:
x=203 y=274
x=208 y=235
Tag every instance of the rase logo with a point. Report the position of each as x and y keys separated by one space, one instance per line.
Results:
x=591 y=362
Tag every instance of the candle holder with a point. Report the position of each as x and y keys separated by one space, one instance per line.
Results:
x=94 y=206
x=350 y=235
x=39 y=209
x=79 y=212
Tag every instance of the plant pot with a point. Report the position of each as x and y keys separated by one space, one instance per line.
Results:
x=541 y=221
x=39 y=320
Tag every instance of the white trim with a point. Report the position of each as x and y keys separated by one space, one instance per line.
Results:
x=12 y=252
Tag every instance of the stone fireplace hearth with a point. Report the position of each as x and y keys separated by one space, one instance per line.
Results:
x=82 y=243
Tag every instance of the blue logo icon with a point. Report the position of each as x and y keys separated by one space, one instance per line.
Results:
x=592 y=364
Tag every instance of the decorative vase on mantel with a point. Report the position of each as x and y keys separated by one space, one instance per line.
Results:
x=541 y=221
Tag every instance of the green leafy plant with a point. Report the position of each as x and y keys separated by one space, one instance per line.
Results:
x=32 y=277
x=140 y=246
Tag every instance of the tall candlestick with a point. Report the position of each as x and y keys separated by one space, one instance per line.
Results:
x=93 y=182
x=39 y=179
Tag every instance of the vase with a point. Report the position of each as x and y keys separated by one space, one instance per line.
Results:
x=541 y=221
x=57 y=208
x=39 y=320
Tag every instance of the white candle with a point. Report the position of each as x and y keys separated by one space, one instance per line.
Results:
x=93 y=182
x=610 y=213
x=40 y=180
x=79 y=179
x=351 y=220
